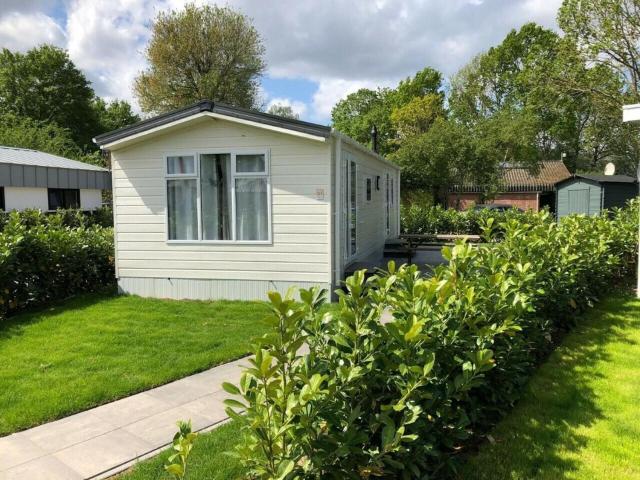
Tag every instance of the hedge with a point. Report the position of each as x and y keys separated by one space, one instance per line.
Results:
x=434 y=220
x=50 y=257
x=404 y=399
x=64 y=217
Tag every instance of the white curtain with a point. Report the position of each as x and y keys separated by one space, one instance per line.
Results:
x=252 y=213
x=182 y=209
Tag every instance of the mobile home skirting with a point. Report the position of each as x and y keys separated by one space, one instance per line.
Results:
x=207 y=289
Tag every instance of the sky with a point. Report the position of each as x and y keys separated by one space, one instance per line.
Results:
x=317 y=51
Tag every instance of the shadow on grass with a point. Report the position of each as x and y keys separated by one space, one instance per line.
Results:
x=533 y=440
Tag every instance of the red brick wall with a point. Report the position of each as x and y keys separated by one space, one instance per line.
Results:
x=525 y=201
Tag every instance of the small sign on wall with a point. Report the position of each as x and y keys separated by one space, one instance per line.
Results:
x=319 y=193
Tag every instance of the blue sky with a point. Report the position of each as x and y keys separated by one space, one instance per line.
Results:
x=317 y=52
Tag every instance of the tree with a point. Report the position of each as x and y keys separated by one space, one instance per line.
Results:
x=283 y=111
x=25 y=132
x=45 y=85
x=607 y=32
x=113 y=115
x=356 y=115
x=201 y=52
x=417 y=115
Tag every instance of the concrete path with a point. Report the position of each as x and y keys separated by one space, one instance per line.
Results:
x=103 y=441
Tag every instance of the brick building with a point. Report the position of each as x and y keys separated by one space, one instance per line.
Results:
x=519 y=187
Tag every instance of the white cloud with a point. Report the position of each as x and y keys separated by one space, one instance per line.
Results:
x=22 y=31
x=341 y=46
x=298 y=107
x=331 y=90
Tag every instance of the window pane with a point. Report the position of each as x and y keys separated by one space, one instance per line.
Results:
x=353 y=172
x=215 y=190
x=181 y=165
x=250 y=163
x=182 y=210
x=63 y=198
x=252 y=209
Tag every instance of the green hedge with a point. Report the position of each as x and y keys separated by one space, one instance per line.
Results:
x=404 y=399
x=45 y=258
x=73 y=218
x=434 y=220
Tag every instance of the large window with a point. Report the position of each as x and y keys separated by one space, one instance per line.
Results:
x=218 y=197
x=63 y=198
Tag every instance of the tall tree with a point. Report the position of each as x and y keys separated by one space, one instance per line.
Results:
x=201 y=52
x=45 y=85
x=283 y=111
x=356 y=114
x=113 y=115
x=608 y=32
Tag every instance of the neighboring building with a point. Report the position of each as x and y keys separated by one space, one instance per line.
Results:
x=212 y=201
x=518 y=187
x=33 y=179
x=590 y=194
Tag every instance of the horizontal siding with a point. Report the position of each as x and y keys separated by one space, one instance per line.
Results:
x=203 y=289
x=300 y=249
x=371 y=232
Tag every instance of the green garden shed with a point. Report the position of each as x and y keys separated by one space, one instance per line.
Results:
x=589 y=194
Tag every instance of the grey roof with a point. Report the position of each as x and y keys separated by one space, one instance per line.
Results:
x=604 y=178
x=214 y=107
x=24 y=156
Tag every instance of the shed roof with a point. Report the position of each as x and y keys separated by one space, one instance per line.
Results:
x=606 y=178
x=218 y=108
x=25 y=156
x=516 y=178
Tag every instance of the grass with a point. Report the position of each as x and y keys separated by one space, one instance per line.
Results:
x=209 y=459
x=99 y=347
x=579 y=417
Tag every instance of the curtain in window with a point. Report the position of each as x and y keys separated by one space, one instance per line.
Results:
x=215 y=190
x=182 y=209
x=252 y=213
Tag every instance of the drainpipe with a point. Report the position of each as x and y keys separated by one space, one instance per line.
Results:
x=631 y=113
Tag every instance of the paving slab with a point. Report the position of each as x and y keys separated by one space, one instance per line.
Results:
x=108 y=439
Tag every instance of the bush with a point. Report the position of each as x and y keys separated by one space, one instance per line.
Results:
x=434 y=220
x=73 y=218
x=403 y=399
x=50 y=257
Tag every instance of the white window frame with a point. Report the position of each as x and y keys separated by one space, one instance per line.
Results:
x=233 y=152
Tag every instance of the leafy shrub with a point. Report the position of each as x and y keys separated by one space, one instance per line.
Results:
x=436 y=220
x=73 y=218
x=43 y=258
x=402 y=398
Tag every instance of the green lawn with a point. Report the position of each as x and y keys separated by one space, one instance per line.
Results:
x=96 y=348
x=580 y=415
x=209 y=459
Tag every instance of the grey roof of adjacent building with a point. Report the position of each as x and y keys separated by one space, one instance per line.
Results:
x=25 y=156
x=20 y=167
x=599 y=178
x=219 y=108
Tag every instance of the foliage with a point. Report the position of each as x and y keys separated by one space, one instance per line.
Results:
x=607 y=32
x=283 y=111
x=25 y=132
x=71 y=218
x=182 y=445
x=197 y=53
x=402 y=398
x=356 y=115
x=435 y=220
x=113 y=115
x=44 y=85
x=43 y=260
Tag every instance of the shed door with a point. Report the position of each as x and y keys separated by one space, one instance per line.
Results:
x=579 y=201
